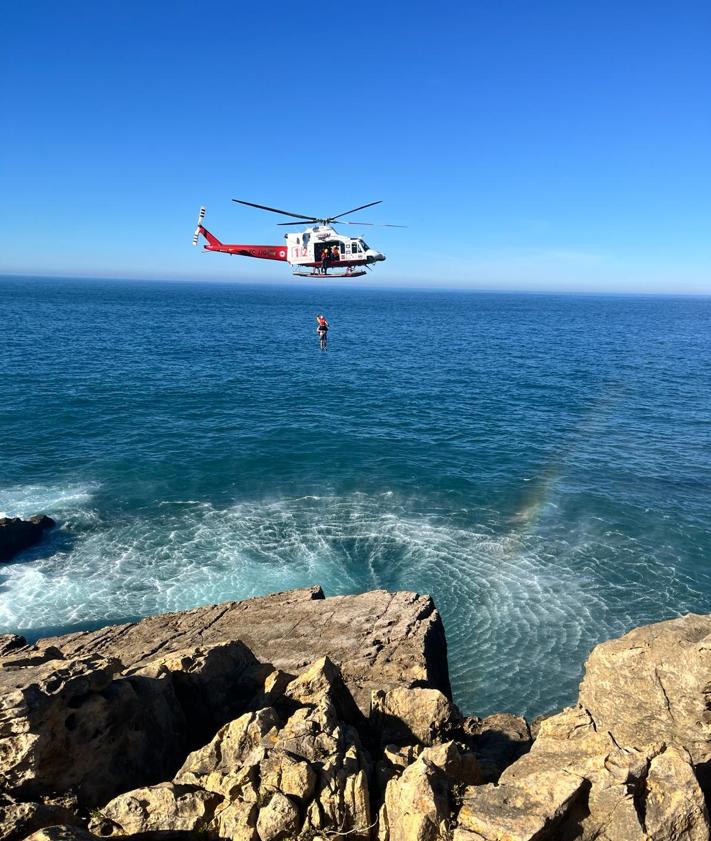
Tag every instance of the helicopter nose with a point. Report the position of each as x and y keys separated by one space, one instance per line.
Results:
x=374 y=256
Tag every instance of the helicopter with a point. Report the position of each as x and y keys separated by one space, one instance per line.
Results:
x=304 y=251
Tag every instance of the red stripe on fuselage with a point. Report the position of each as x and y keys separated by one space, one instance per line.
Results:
x=261 y=252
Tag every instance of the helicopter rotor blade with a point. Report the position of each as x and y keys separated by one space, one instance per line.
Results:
x=373 y=224
x=362 y=207
x=276 y=210
x=297 y=223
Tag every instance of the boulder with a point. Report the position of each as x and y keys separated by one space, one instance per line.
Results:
x=18 y=819
x=654 y=685
x=498 y=741
x=223 y=765
x=213 y=684
x=527 y=811
x=379 y=640
x=674 y=807
x=16 y=535
x=158 y=808
x=278 y=819
x=417 y=804
x=62 y=833
x=408 y=716
x=68 y=724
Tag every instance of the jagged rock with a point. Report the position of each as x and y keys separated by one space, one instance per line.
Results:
x=323 y=683
x=401 y=757
x=406 y=716
x=314 y=759
x=62 y=833
x=16 y=535
x=530 y=810
x=10 y=643
x=223 y=765
x=69 y=724
x=498 y=741
x=675 y=809
x=282 y=772
x=459 y=765
x=654 y=685
x=279 y=819
x=236 y=820
x=569 y=744
x=213 y=684
x=379 y=640
x=19 y=819
x=161 y=807
x=417 y=806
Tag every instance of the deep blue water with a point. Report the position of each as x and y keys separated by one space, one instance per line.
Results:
x=540 y=464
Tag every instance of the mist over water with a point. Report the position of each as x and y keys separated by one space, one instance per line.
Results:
x=540 y=464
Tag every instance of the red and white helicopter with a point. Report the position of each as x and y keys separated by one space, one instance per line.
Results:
x=312 y=252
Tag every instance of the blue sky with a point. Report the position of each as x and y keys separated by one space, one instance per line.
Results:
x=527 y=145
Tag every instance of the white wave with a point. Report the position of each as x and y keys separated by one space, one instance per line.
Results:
x=26 y=500
x=521 y=607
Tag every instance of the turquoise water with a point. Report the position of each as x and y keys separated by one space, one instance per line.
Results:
x=540 y=464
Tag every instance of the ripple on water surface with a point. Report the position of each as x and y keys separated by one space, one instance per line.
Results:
x=522 y=603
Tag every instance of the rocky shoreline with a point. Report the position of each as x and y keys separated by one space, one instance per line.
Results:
x=295 y=716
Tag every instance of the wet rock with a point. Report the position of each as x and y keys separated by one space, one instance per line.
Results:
x=408 y=716
x=16 y=534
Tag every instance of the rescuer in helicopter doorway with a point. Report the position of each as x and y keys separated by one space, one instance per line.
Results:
x=325 y=259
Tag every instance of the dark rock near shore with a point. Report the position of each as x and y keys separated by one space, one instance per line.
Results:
x=16 y=535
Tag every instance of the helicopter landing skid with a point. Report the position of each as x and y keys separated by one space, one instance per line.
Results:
x=321 y=275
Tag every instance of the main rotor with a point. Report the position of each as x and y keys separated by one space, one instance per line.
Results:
x=328 y=220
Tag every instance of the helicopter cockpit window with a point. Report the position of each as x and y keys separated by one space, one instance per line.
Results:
x=364 y=244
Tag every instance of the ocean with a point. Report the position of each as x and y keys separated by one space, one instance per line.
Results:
x=539 y=464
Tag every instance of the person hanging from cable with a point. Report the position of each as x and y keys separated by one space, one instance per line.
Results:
x=322 y=329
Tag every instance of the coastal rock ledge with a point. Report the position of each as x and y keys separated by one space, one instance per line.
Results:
x=296 y=716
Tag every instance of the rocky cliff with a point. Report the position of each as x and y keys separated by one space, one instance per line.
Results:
x=296 y=716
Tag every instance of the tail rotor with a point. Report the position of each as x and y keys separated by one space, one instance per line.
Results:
x=198 y=230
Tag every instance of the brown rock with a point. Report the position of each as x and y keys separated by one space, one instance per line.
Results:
x=223 y=765
x=67 y=724
x=19 y=819
x=417 y=806
x=653 y=685
x=161 y=807
x=407 y=716
x=498 y=741
x=279 y=819
x=675 y=809
x=213 y=684
x=379 y=640
x=526 y=811
x=62 y=833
